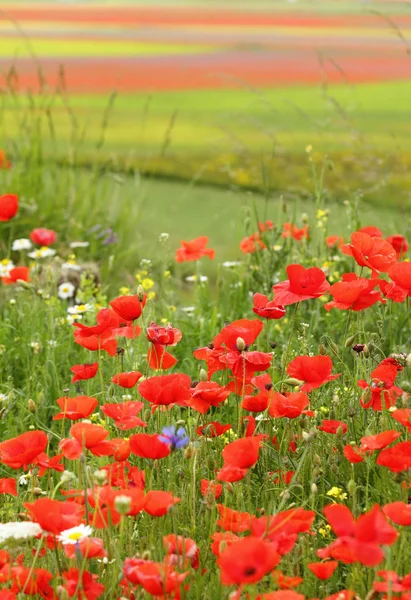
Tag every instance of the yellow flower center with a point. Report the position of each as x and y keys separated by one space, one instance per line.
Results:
x=76 y=535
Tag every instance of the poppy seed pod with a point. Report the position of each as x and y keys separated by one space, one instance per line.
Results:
x=240 y=343
x=100 y=477
x=203 y=375
x=122 y=504
x=140 y=293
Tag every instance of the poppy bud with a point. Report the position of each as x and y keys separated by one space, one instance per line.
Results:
x=317 y=459
x=285 y=495
x=322 y=350
x=229 y=488
x=408 y=360
x=203 y=375
x=180 y=422
x=37 y=491
x=189 y=452
x=210 y=500
x=146 y=555
x=317 y=472
x=351 y=487
x=100 y=477
x=262 y=511
x=367 y=395
x=31 y=405
x=314 y=489
x=304 y=218
x=334 y=348
x=210 y=346
x=351 y=412
x=140 y=293
x=273 y=345
x=349 y=341
x=40 y=398
x=122 y=504
x=62 y=593
x=67 y=476
x=240 y=343
x=336 y=398
x=339 y=431
x=293 y=381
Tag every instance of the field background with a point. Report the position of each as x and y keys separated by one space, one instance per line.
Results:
x=222 y=93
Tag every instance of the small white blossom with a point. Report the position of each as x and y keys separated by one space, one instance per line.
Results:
x=188 y=309
x=73 y=318
x=228 y=264
x=66 y=290
x=192 y=278
x=3 y=397
x=163 y=237
x=21 y=244
x=12 y=301
x=74 y=535
x=71 y=265
x=18 y=531
x=52 y=343
x=24 y=479
x=79 y=309
x=6 y=266
x=43 y=252
x=79 y=244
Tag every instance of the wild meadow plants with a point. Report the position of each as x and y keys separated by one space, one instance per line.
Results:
x=245 y=439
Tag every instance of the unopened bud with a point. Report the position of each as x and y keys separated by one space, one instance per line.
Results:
x=314 y=489
x=62 y=593
x=229 y=487
x=140 y=293
x=339 y=431
x=67 y=476
x=32 y=406
x=37 y=491
x=351 y=487
x=147 y=414
x=40 y=398
x=146 y=555
x=203 y=375
x=210 y=500
x=408 y=360
x=334 y=348
x=293 y=381
x=122 y=504
x=336 y=398
x=322 y=350
x=317 y=459
x=189 y=452
x=100 y=477
x=240 y=343
x=285 y=495
x=349 y=341
x=273 y=345
x=367 y=395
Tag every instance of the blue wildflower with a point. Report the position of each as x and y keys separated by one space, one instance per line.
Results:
x=175 y=439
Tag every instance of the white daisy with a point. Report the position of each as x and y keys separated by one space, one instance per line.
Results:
x=66 y=290
x=21 y=244
x=79 y=244
x=6 y=266
x=71 y=265
x=74 y=535
x=43 y=252
x=18 y=531
x=79 y=309
x=228 y=264
x=192 y=278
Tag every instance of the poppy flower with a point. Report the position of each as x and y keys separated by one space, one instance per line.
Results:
x=9 y=204
x=212 y=429
x=180 y=549
x=283 y=528
x=358 y=541
x=43 y=237
x=372 y=252
x=87 y=548
x=291 y=230
x=382 y=386
x=323 y=570
x=129 y=308
x=354 y=293
x=86 y=436
x=398 y=512
x=233 y=520
x=352 y=454
x=314 y=370
x=285 y=582
x=247 y=561
x=148 y=446
x=106 y=320
x=290 y=405
x=83 y=372
x=252 y=243
x=130 y=332
x=194 y=250
x=8 y=486
x=94 y=343
x=211 y=355
x=332 y=426
x=166 y=389
x=125 y=414
x=22 y=450
x=82 y=580
x=393 y=583
x=165 y=336
x=400 y=274
x=268 y=310
x=126 y=380
x=397 y=458
x=207 y=394
x=371 y=443
x=242 y=453
x=399 y=243
x=159 y=359
x=257 y=403
x=221 y=540
x=281 y=595
x=17 y=274
x=79 y=407
x=246 y=329
x=54 y=516
x=211 y=488
x=158 y=503
x=231 y=473
x=371 y=230
x=31 y=581
x=302 y=284
x=403 y=416
x=157 y=579
x=333 y=241
x=265 y=226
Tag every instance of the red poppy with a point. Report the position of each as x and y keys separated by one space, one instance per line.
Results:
x=104 y=341
x=4 y=162
x=231 y=473
x=268 y=310
x=180 y=549
x=130 y=332
x=247 y=561
x=323 y=570
x=358 y=541
x=400 y=273
x=242 y=453
x=8 y=486
x=22 y=450
x=397 y=458
x=106 y=320
x=290 y=405
x=222 y=540
x=159 y=359
x=291 y=230
x=166 y=389
x=370 y=443
x=331 y=426
x=398 y=512
x=252 y=244
x=212 y=429
x=194 y=250
x=207 y=394
x=393 y=583
x=281 y=595
x=211 y=488
x=302 y=284
x=125 y=414
x=32 y=581
x=9 y=204
x=165 y=336
x=354 y=293
x=283 y=528
x=122 y=474
x=76 y=580
x=128 y=308
x=383 y=388
x=246 y=329
x=285 y=582
x=148 y=446
x=158 y=503
x=156 y=578
x=43 y=237
x=88 y=548
x=82 y=372
x=372 y=252
x=403 y=416
x=266 y=226
x=17 y=274
x=232 y=520
x=126 y=380
x=332 y=241
x=314 y=370
x=87 y=436
x=352 y=454
x=399 y=243
x=55 y=516
x=7 y=595
x=257 y=403
x=79 y=407
x=371 y=230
